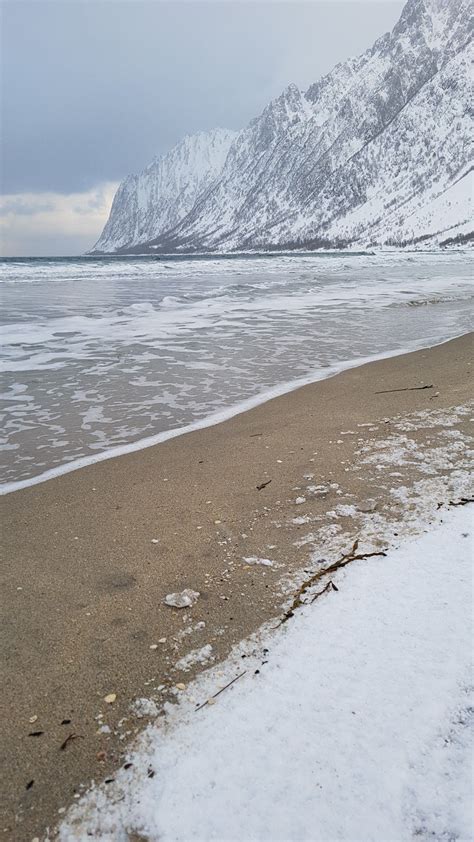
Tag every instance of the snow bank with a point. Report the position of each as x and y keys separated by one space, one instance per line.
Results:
x=354 y=725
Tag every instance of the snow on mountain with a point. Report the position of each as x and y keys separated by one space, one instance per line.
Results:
x=154 y=201
x=377 y=151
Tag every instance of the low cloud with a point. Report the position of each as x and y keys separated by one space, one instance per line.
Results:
x=53 y=223
x=16 y=205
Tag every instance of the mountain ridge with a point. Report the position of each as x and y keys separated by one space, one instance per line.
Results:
x=361 y=157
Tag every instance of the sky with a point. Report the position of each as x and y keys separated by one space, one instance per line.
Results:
x=94 y=89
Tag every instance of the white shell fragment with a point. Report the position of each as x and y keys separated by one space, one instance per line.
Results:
x=185 y=599
x=254 y=560
x=144 y=707
x=197 y=656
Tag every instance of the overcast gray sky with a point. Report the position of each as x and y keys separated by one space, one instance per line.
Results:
x=94 y=89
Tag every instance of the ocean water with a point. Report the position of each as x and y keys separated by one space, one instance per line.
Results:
x=104 y=353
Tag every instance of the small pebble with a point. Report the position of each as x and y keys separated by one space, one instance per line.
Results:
x=154 y=646
x=33 y=719
x=110 y=698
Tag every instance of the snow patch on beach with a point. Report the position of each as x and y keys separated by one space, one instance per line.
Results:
x=144 y=708
x=197 y=656
x=432 y=476
x=369 y=690
x=190 y=629
x=369 y=687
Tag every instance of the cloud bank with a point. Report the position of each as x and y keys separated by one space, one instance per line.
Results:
x=43 y=224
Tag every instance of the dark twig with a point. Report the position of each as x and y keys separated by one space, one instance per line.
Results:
x=263 y=485
x=320 y=593
x=320 y=574
x=221 y=690
x=462 y=502
x=69 y=739
x=408 y=389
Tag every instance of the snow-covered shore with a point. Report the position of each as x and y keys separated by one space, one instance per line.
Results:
x=351 y=724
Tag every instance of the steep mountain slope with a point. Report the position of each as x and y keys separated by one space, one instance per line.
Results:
x=154 y=201
x=364 y=156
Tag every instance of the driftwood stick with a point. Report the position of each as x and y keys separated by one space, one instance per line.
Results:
x=222 y=689
x=408 y=389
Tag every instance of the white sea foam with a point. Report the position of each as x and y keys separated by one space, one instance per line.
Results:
x=115 y=355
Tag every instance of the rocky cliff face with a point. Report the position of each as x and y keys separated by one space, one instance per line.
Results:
x=377 y=151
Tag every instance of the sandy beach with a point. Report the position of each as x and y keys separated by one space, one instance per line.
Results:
x=90 y=556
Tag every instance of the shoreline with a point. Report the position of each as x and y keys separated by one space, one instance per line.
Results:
x=91 y=556
x=214 y=418
x=431 y=248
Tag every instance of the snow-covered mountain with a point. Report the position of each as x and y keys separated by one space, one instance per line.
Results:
x=378 y=151
x=156 y=200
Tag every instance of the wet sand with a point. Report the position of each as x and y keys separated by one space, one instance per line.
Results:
x=84 y=581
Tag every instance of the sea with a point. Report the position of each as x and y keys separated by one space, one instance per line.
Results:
x=104 y=355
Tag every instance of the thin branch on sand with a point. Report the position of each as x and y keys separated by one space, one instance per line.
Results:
x=352 y=555
x=222 y=690
x=407 y=389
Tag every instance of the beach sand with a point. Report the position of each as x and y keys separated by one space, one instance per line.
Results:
x=89 y=557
